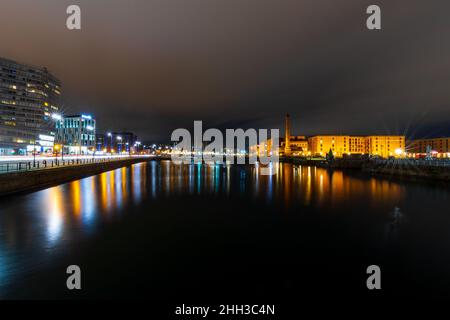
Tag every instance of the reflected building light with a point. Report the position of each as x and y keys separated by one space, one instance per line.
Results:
x=104 y=192
x=308 y=187
x=321 y=193
x=228 y=179
x=136 y=174
x=153 y=178
x=217 y=179
x=256 y=170
x=76 y=197
x=191 y=178
x=199 y=177
x=124 y=184
x=118 y=188
x=89 y=201
x=55 y=216
x=112 y=188
x=179 y=182
x=166 y=176
x=270 y=187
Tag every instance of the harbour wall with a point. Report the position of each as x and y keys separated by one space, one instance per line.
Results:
x=25 y=181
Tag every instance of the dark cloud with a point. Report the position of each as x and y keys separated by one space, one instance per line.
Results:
x=154 y=65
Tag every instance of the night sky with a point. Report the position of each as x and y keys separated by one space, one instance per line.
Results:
x=151 y=66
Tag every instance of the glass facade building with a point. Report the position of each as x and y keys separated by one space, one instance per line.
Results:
x=76 y=134
x=29 y=99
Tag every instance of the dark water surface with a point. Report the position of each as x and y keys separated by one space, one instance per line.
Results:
x=157 y=230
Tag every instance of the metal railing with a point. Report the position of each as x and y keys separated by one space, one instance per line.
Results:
x=413 y=162
x=38 y=164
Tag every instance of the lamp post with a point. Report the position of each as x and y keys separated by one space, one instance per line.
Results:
x=119 y=144
x=57 y=117
x=90 y=129
x=138 y=144
x=34 y=153
x=110 y=142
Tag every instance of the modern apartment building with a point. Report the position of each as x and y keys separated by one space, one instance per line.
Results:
x=29 y=101
x=76 y=134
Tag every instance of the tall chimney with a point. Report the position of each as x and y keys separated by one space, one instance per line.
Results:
x=287 y=135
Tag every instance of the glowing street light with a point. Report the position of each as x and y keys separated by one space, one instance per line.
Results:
x=119 y=138
x=56 y=116
x=398 y=151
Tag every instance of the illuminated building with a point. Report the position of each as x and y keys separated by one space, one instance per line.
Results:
x=76 y=134
x=435 y=147
x=298 y=145
x=382 y=146
x=118 y=142
x=340 y=145
x=292 y=145
x=29 y=100
x=287 y=135
x=386 y=146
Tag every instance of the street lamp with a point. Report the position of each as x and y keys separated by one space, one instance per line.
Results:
x=58 y=117
x=34 y=153
x=119 y=146
x=138 y=143
x=110 y=142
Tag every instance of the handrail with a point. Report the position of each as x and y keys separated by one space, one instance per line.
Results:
x=41 y=164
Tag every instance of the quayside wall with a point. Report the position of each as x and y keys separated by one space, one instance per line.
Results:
x=15 y=182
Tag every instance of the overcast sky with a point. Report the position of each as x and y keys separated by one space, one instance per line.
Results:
x=152 y=66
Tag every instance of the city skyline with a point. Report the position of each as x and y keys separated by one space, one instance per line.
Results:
x=165 y=74
x=202 y=155
x=33 y=121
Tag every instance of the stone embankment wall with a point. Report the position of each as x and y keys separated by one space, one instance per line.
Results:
x=15 y=182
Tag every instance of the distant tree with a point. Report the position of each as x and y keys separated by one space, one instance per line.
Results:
x=330 y=156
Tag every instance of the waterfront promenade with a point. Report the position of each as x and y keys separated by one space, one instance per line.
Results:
x=28 y=163
x=25 y=174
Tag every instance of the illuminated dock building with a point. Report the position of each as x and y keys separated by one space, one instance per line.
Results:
x=384 y=146
x=433 y=147
x=340 y=145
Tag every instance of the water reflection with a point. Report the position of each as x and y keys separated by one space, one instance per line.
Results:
x=55 y=215
x=57 y=218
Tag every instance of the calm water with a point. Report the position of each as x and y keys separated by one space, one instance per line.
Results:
x=157 y=229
